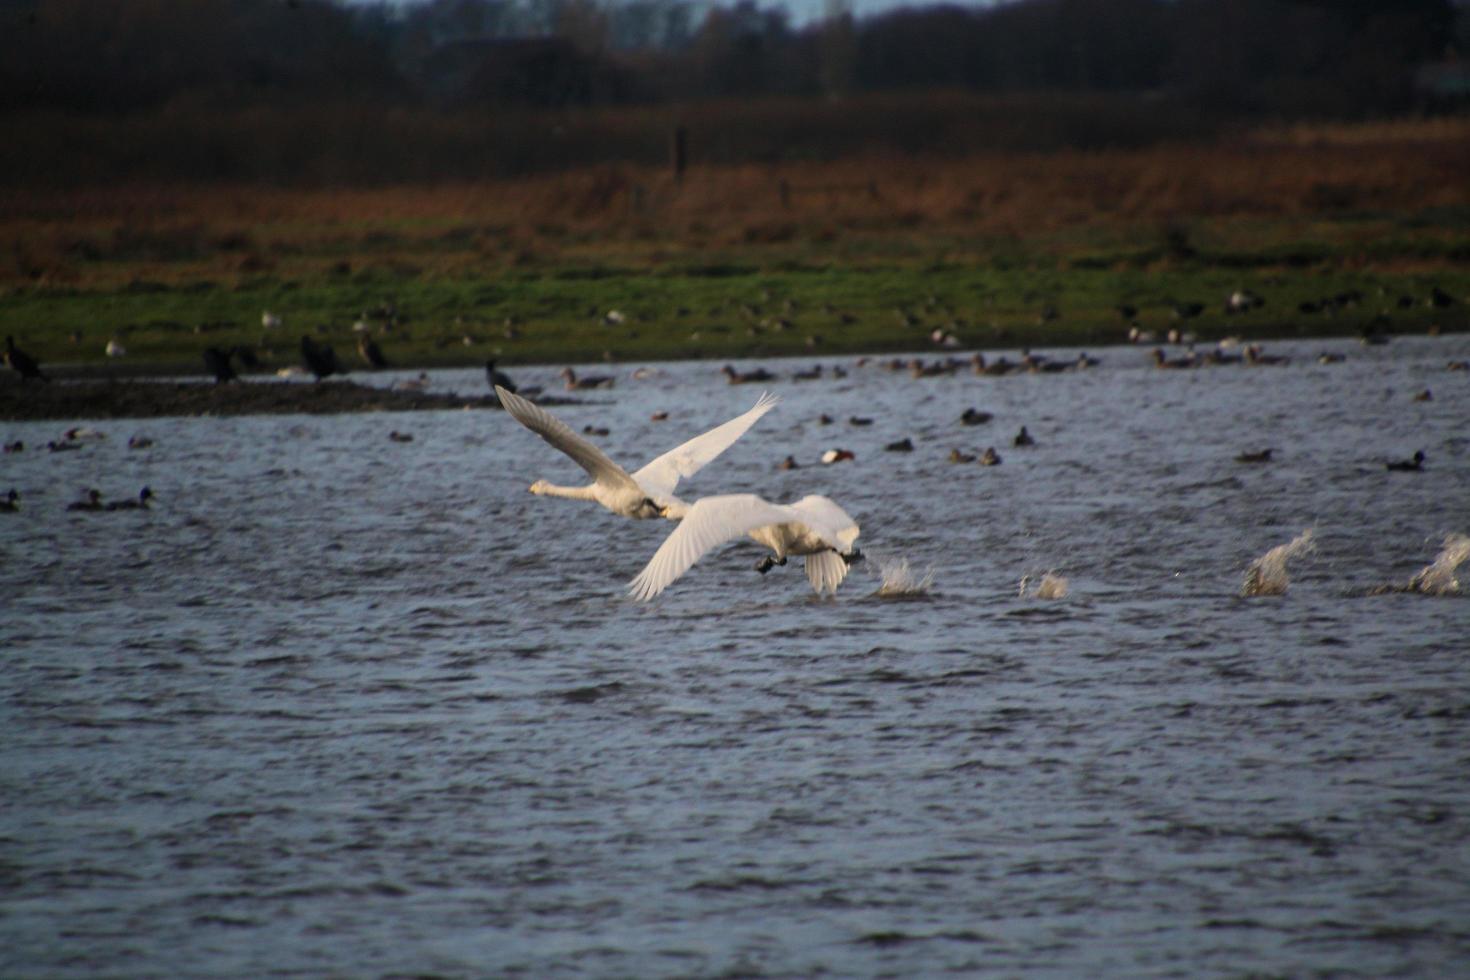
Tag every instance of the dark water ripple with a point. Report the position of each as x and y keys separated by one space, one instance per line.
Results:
x=343 y=706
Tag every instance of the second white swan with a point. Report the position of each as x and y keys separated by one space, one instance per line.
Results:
x=814 y=526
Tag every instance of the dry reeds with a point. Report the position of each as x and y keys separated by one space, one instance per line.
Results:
x=197 y=226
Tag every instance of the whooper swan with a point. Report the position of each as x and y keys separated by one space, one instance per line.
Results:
x=813 y=526
x=646 y=493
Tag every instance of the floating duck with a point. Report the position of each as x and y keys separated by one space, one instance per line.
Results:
x=93 y=501
x=1254 y=356
x=1175 y=363
x=837 y=456
x=575 y=383
x=138 y=503
x=973 y=416
x=904 y=445
x=1023 y=438
x=746 y=377
x=397 y=436
x=1408 y=465
x=420 y=383
x=955 y=456
x=8 y=503
x=1260 y=456
x=990 y=457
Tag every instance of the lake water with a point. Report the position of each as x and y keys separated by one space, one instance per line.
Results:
x=340 y=705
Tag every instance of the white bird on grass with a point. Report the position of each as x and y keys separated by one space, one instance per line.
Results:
x=650 y=491
x=814 y=526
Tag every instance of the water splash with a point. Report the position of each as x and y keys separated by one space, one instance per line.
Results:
x=899 y=579
x=1050 y=586
x=1438 y=577
x=1267 y=574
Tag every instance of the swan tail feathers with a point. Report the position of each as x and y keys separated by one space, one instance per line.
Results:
x=826 y=571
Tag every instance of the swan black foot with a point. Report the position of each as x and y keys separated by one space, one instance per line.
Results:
x=853 y=557
x=767 y=563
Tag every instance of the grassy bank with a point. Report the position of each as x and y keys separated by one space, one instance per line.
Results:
x=867 y=254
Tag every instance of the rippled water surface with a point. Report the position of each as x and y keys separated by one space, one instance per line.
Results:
x=344 y=705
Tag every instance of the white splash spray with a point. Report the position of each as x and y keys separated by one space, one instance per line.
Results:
x=1267 y=574
x=1438 y=577
x=899 y=579
x=1049 y=586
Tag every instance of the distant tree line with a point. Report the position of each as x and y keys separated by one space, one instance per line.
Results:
x=1321 y=57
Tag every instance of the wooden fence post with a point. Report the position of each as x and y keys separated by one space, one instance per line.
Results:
x=679 y=152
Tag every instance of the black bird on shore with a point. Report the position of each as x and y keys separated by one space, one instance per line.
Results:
x=496 y=377
x=319 y=359
x=22 y=363
x=368 y=349
x=217 y=363
x=245 y=354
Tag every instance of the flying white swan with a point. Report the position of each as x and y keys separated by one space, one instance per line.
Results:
x=813 y=526
x=646 y=493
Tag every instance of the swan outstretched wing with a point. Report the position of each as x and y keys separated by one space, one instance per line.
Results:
x=596 y=462
x=710 y=522
x=661 y=475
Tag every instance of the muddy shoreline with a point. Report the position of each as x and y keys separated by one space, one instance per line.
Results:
x=121 y=399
